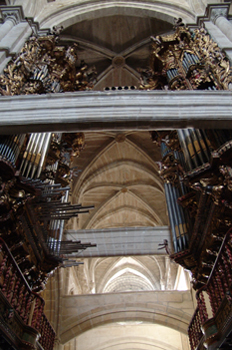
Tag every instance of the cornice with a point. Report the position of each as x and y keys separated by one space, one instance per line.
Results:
x=212 y=12
x=16 y=14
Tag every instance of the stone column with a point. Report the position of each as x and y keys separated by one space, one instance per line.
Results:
x=14 y=31
x=217 y=25
x=218 y=17
x=57 y=344
x=216 y=34
x=7 y=26
x=11 y=16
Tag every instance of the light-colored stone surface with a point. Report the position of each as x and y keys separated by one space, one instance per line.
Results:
x=83 y=312
x=123 y=274
x=59 y=14
x=126 y=241
x=223 y=42
x=118 y=175
x=132 y=110
x=165 y=310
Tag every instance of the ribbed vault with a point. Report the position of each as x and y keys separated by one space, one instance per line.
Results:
x=130 y=336
x=164 y=308
x=119 y=176
x=114 y=35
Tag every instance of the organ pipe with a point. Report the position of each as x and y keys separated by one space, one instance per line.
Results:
x=34 y=155
x=10 y=147
x=175 y=212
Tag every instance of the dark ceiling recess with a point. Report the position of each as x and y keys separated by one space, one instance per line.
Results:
x=116 y=45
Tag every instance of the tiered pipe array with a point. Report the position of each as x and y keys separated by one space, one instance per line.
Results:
x=175 y=212
x=34 y=155
x=195 y=147
x=52 y=209
x=189 y=60
x=176 y=217
x=10 y=147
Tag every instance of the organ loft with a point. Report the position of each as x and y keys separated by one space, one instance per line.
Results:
x=115 y=175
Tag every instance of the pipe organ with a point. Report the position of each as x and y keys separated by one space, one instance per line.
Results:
x=197 y=174
x=35 y=177
x=196 y=164
x=186 y=60
x=36 y=169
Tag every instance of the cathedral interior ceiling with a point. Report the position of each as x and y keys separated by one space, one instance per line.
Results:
x=106 y=32
x=115 y=52
x=122 y=274
x=109 y=39
x=58 y=13
x=118 y=174
x=122 y=336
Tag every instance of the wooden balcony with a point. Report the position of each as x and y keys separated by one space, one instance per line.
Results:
x=212 y=321
x=22 y=321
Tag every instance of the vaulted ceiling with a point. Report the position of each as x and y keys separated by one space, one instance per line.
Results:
x=118 y=174
x=116 y=45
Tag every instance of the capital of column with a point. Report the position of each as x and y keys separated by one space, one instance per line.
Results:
x=57 y=344
x=212 y=13
x=57 y=341
x=13 y=13
x=218 y=12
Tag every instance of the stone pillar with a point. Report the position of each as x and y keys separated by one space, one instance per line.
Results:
x=11 y=17
x=57 y=344
x=7 y=26
x=217 y=25
x=14 y=31
x=223 y=42
x=218 y=17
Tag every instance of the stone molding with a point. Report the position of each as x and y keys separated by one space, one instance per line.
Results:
x=131 y=110
x=117 y=244
x=218 y=12
x=212 y=12
x=83 y=312
x=95 y=9
x=14 y=13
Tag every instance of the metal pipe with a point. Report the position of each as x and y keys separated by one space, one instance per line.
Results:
x=190 y=147
x=38 y=154
x=184 y=147
x=171 y=218
x=175 y=214
x=33 y=154
x=65 y=200
x=44 y=152
x=27 y=153
x=197 y=145
x=202 y=144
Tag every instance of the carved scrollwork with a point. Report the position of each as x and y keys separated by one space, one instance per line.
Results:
x=170 y=169
x=43 y=66
x=226 y=171
x=186 y=61
x=14 y=14
x=218 y=12
x=62 y=152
